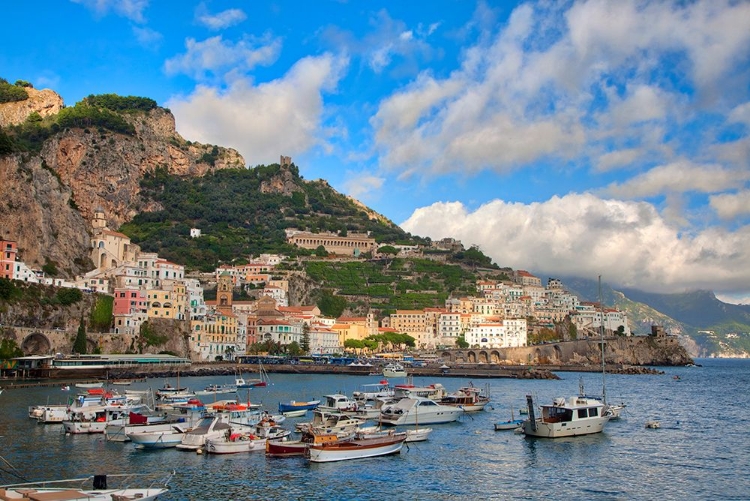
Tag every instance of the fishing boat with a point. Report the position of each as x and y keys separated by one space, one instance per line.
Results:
x=90 y=488
x=565 y=418
x=284 y=448
x=612 y=410
x=285 y=407
x=511 y=424
x=357 y=448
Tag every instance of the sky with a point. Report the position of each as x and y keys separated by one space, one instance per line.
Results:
x=566 y=138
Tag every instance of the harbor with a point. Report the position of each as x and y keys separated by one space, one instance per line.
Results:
x=464 y=460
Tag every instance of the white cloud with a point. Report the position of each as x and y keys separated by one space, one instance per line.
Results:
x=602 y=76
x=130 y=9
x=731 y=205
x=679 y=177
x=215 y=55
x=363 y=185
x=147 y=37
x=265 y=120
x=740 y=114
x=582 y=235
x=220 y=20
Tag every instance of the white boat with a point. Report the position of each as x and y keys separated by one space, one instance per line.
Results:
x=233 y=443
x=368 y=393
x=122 y=382
x=94 y=419
x=235 y=417
x=136 y=423
x=91 y=488
x=337 y=402
x=216 y=389
x=565 y=418
x=653 y=424
x=298 y=413
x=163 y=439
x=435 y=391
x=330 y=422
x=418 y=434
x=357 y=448
x=418 y=410
x=394 y=370
x=89 y=385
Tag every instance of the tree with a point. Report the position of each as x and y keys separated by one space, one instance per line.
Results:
x=80 y=345
x=293 y=349
x=305 y=339
x=331 y=305
x=354 y=344
x=461 y=343
x=321 y=251
x=9 y=349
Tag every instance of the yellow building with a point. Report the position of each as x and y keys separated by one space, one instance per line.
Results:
x=214 y=335
x=350 y=245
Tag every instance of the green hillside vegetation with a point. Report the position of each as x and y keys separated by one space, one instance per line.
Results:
x=100 y=113
x=238 y=220
x=13 y=92
x=403 y=283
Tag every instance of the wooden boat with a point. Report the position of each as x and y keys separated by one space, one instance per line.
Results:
x=357 y=448
x=283 y=447
x=296 y=406
x=566 y=418
x=469 y=398
x=90 y=488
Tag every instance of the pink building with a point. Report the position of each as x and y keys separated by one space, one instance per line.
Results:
x=9 y=250
x=130 y=301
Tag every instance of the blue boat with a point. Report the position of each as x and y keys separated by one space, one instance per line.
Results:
x=298 y=406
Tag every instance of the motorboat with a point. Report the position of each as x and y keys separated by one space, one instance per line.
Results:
x=330 y=422
x=90 y=488
x=435 y=391
x=160 y=423
x=94 y=419
x=158 y=439
x=469 y=398
x=233 y=443
x=235 y=417
x=394 y=370
x=511 y=424
x=357 y=448
x=653 y=424
x=565 y=418
x=298 y=413
x=368 y=393
x=418 y=410
x=337 y=402
x=295 y=405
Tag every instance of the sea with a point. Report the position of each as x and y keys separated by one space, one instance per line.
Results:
x=701 y=451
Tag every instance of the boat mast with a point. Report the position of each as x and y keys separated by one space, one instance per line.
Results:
x=601 y=340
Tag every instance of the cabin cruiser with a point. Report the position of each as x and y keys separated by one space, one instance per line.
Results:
x=418 y=411
x=565 y=418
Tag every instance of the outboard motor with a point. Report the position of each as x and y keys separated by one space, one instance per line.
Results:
x=100 y=482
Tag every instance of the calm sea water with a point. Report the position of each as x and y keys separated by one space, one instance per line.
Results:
x=702 y=450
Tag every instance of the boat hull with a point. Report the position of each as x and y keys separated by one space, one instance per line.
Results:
x=156 y=439
x=569 y=429
x=242 y=444
x=355 y=449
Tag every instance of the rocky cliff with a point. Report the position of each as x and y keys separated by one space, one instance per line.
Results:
x=47 y=199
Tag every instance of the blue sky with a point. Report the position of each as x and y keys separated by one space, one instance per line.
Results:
x=565 y=138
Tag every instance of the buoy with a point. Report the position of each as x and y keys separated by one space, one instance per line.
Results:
x=199 y=451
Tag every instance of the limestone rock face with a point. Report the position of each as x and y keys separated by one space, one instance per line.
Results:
x=45 y=102
x=48 y=200
x=283 y=184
